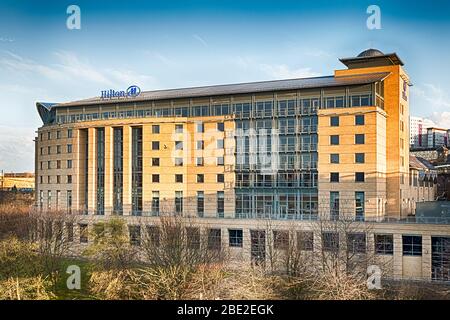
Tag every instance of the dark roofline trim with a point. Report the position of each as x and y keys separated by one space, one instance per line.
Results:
x=240 y=88
x=388 y=56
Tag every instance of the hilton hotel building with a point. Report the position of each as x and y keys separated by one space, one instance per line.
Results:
x=233 y=155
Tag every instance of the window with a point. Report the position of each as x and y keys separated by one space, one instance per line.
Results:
x=135 y=235
x=178 y=162
x=69 y=231
x=334 y=121
x=334 y=176
x=83 y=233
x=200 y=203
x=49 y=150
x=412 y=245
x=155 y=162
x=356 y=243
x=200 y=145
x=155 y=145
x=359 y=120
x=178 y=202
x=305 y=240
x=49 y=135
x=58 y=134
x=220 y=178
x=155 y=203
x=214 y=239
x=235 y=238
x=155 y=129
x=58 y=149
x=178 y=145
x=359 y=176
x=153 y=234
x=200 y=178
x=193 y=238
x=179 y=178
x=49 y=179
x=359 y=139
x=178 y=128
x=69 y=200
x=384 y=244
x=200 y=127
x=220 y=144
x=155 y=178
x=334 y=205
x=330 y=241
x=49 y=165
x=220 y=204
x=220 y=126
x=334 y=158
x=199 y=162
x=359 y=205
x=280 y=240
x=69 y=133
x=58 y=164
x=69 y=148
x=58 y=179
x=334 y=140
x=220 y=161
x=359 y=158
x=69 y=179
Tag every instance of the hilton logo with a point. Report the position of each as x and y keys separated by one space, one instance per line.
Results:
x=131 y=92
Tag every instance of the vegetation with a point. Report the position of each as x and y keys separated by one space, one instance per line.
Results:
x=177 y=262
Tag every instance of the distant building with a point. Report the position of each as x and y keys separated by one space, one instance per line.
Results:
x=19 y=181
x=437 y=137
x=422 y=184
x=418 y=131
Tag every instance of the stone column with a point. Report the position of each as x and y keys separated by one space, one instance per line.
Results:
x=398 y=256
x=426 y=257
x=127 y=149
x=92 y=185
x=109 y=138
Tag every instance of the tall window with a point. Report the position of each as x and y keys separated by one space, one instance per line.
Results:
x=220 y=204
x=179 y=202
x=155 y=203
x=334 y=205
x=69 y=201
x=49 y=199
x=359 y=205
x=118 y=171
x=200 y=203
x=136 y=176
x=100 y=171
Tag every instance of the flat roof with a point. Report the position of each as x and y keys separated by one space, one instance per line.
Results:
x=229 y=89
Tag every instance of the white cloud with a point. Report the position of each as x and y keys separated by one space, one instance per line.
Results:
x=16 y=149
x=441 y=119
x=69 y=67
x=432 y=94
x=200 y=39
x=283 y=71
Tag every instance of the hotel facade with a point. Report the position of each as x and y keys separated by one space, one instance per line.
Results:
x=290 y=151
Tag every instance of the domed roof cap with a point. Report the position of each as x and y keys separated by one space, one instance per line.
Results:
x=370 y=53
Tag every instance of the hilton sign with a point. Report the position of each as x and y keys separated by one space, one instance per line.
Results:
x=131 y=92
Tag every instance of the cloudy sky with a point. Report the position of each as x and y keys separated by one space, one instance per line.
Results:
x=167 y=44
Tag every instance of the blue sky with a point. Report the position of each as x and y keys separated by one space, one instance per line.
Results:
x=167 y=44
